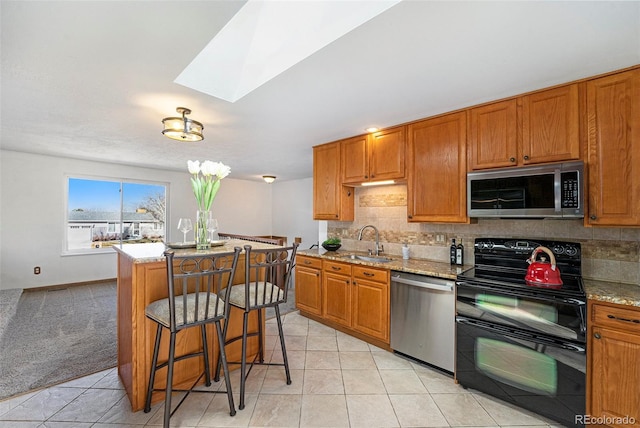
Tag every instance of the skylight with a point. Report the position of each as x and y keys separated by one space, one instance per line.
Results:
x=266 y=38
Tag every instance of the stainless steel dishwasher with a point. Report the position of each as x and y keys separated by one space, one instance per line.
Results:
x=423 y=318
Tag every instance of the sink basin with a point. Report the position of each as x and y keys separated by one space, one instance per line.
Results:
x=373 y=259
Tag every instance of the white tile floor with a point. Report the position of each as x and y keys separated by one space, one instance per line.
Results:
x=338 y=381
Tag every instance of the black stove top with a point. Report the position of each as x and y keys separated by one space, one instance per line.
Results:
x=501 y=262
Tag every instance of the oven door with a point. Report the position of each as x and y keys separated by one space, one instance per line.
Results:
x=544 y=314
x=534 y=372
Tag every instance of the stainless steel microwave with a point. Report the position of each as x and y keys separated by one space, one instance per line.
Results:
x=540 y=191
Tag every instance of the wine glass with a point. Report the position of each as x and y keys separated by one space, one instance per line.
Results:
x=212 y=227
x=184 y=225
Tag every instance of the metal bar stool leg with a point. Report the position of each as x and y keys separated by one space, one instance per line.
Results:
x=154 y=363
x=260 y=344
x=205 y=350
x=169 y=387
x=284 y=349
x=222 y=357
x=243 y=361
x=216 y=376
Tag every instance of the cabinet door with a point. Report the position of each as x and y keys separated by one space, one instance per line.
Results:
x=613 y=154
x=355 y=160
x=493 y=135
x=437 y=189
x=550 y=126
x=331 y=200
x=371 y=308
x=336 y=298
x=615 y=375
x=308 y=288
x=386 y=154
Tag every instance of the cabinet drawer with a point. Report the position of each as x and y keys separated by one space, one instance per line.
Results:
x=371 y=274
x=310 y=262
x=618 y=317
x=337 y=267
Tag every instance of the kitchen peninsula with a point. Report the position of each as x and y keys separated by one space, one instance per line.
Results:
x=142 y=279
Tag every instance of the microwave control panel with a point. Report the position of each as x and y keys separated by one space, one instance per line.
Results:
x=570 y=192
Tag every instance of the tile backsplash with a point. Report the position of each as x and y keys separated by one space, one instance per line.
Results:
x=610 y=254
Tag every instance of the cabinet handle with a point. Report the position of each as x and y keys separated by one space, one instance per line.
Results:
x=336 y=268
x=307 y=262
x=347 y=282
x=512 y=160
x=366 y=176
x=336 y=215
x=593 y=217
x=597 y=335
x=317 y=273
x=613 y=317
x=526 y=157
x=349 y=193
x=368 y=274
x=373 y=176
x=410 y=216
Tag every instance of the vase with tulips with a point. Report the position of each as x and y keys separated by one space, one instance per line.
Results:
x=205 y=181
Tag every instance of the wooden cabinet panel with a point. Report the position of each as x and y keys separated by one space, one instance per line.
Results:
x=331 y=200
x=355 y=160
x=309 y=285
x=613 y=373
x=613 y=152
x=336 y=298
x=550 y=126
x=371 y=308
x=387 y=154
x=493 y=135
x=374 y=157
x=437 y=188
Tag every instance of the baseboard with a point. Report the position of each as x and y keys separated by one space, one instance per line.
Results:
x=68 y=285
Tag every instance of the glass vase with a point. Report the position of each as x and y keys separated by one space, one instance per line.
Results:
x=201 y=233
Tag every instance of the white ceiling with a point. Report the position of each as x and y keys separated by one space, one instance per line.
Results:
x=93 y=79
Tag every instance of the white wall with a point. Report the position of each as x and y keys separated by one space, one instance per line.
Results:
x=32 y=215
x=293 y=211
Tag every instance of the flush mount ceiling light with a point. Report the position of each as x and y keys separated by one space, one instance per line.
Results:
x=269 y=178
x=181 y=128
x=372 y=129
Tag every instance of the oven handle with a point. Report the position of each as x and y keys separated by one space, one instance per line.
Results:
x=521 y=335
x=568 y=300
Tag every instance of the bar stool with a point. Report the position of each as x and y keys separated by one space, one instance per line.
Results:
x=199 y=288
x=268 y=273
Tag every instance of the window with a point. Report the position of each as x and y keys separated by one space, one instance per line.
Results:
x=106 y=212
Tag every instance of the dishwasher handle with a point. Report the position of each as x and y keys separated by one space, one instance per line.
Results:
x=431 y=285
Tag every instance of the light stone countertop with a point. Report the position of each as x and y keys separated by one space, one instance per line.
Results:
x=417 y=266
x=613 y=292
x=154 y=252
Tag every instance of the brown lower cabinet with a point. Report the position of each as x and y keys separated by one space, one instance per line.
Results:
x=353 y=298
x=613 y=373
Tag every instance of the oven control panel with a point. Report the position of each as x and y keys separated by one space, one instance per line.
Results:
x=517 y=247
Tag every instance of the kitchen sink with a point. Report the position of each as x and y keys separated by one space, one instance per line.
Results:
x=373 y=259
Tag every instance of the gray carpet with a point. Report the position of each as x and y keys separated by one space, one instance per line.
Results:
x=49 y=337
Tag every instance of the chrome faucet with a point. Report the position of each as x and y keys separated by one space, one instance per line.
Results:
x=378 y=249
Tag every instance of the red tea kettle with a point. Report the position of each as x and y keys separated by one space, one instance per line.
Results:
x=542 y=273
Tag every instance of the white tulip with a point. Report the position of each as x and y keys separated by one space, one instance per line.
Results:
x=208 y=168
x=194 y=167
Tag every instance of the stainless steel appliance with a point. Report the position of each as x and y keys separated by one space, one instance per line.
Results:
x=423 y=318
x=551 y=190
x=523 y=343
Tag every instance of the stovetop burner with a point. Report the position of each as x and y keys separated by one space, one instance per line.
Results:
x=502 y=262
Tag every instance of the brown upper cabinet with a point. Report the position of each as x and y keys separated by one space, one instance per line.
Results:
x=437 y=190
x=331 y=200
x=613 y=149
x=374 y=157
x=536 y=128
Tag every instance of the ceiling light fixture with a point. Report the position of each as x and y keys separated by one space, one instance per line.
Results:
x=181 y=128
x=372 y=129
x=269 y=178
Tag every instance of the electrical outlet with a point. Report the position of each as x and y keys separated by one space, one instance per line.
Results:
x=439 y=237
x=36 y=270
